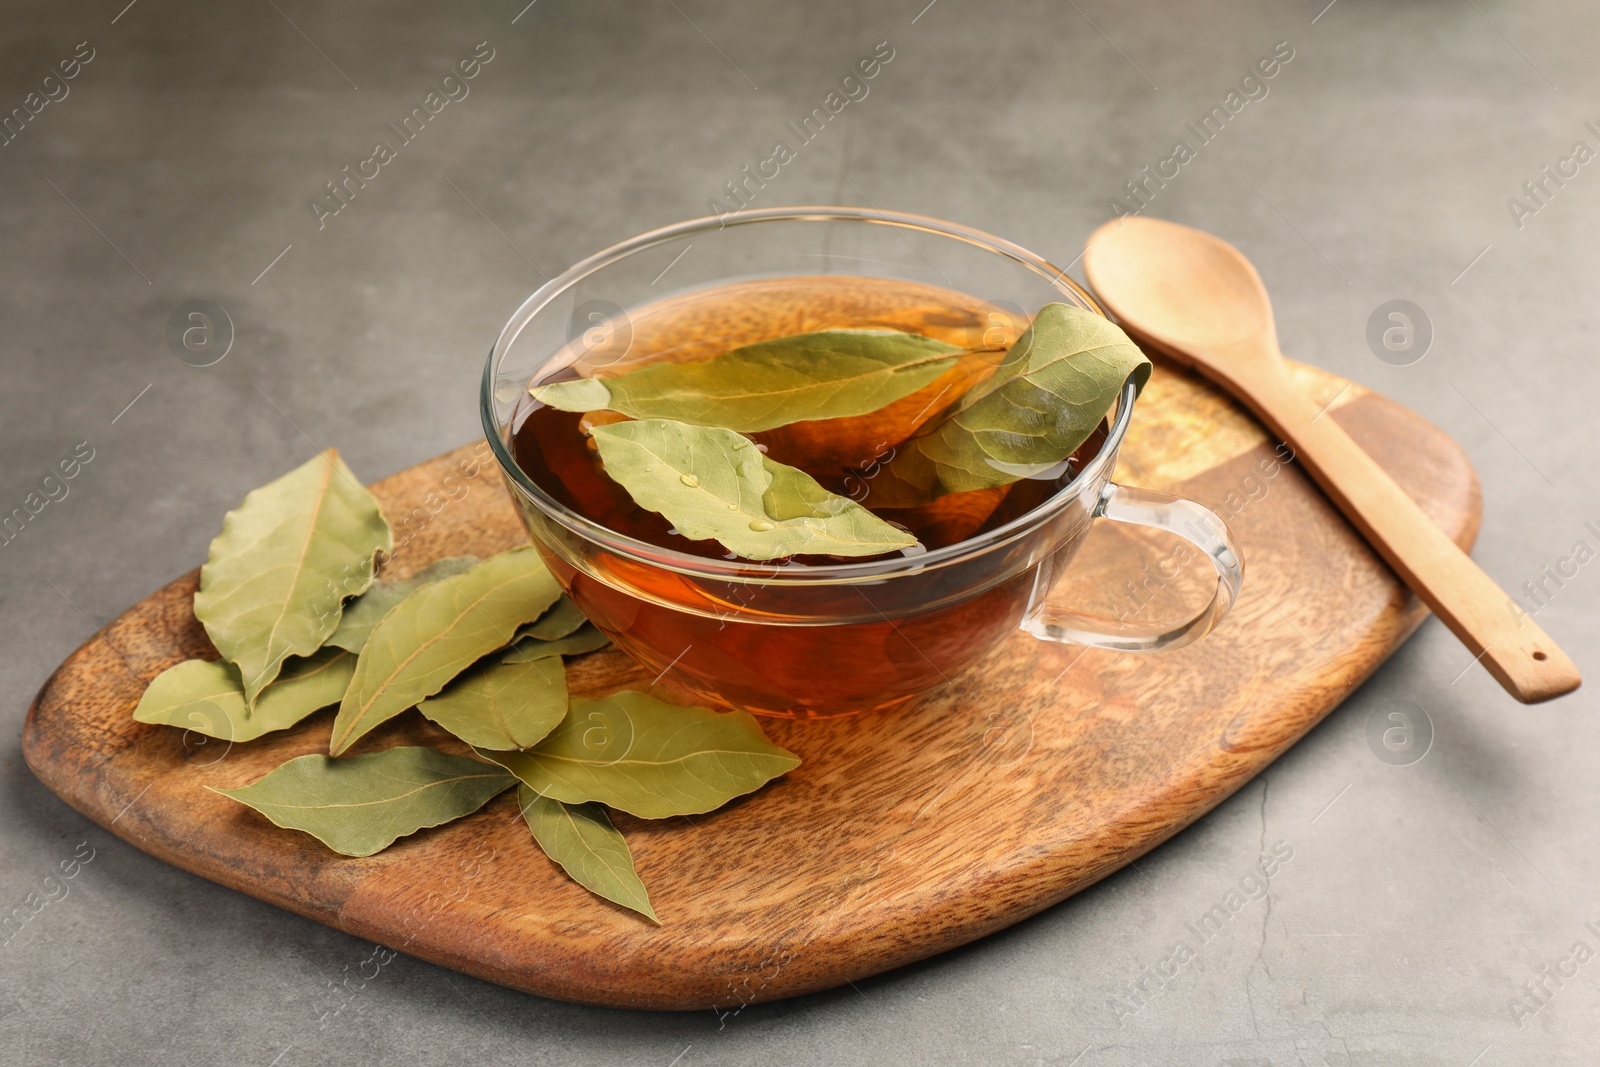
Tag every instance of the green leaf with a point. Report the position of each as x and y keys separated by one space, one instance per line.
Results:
x=649 y=758
x=582 y=840
x=436 y=633
x=825 y=375
x=502 y=705
x=713 y=483
x=586 y=638
x=360 y=805
x=578 y=394
x=285 y=560
x=207 y=696
x=364 y=613
x=559 y=621
x=1053 y=389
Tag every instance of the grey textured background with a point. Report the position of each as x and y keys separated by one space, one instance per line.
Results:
x=1419 y=899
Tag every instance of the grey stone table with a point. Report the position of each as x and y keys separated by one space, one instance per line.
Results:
x=1431 y=913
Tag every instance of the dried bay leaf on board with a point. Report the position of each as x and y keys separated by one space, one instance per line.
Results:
x=713 y=483
x=824 y=375
x=502 y=705
x=1047 y=396
x=361 y=805
x=436 y=633
x=649 y=758
x=586 y=638
x=562 y=619
x=286 y=558
x=364 y=613
x=207 y=696
x=582 y=840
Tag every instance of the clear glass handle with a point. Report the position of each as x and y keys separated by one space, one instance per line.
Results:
x=1144 y=507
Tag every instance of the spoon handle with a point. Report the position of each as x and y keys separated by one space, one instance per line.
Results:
x=1495 y=629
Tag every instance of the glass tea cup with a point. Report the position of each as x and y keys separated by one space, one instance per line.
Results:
x=837 y=639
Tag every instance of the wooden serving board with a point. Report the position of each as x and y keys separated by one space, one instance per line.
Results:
x=902 y=835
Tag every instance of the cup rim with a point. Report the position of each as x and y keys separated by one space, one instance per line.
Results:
x=743 y=570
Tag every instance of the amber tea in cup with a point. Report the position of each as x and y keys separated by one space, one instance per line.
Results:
x=813 y=635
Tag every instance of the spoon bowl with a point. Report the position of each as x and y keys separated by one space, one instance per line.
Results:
x=1181 y=287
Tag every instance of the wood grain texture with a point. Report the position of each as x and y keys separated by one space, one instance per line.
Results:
x=902 y=835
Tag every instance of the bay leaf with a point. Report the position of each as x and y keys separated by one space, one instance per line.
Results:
x=1055 y=386
x=713 y=483
x=559 y=621
x=361 y=805
x=502 y=705
x=649 y=758
x=364 y=613
x=437 y=632
x=582 y=840
x=825 y=375
x=277 y=575
x=860 y=442
x=207 y=696
x=586 y=638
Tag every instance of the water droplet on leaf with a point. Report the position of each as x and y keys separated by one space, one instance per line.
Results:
x=689 y=479
x=761 y=526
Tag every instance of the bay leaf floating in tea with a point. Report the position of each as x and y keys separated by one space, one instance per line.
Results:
x=1048 y=395
x=649 y=758
x=364 y=613
x=363 y=804
x=274 y=582
x=714 y=483
x=207 y=696
x=582 y=840
x=859 y=441
x=502 y=705
x=436 y=633
x=824 y=375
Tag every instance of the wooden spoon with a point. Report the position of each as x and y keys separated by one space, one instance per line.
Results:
x=1197 y=299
